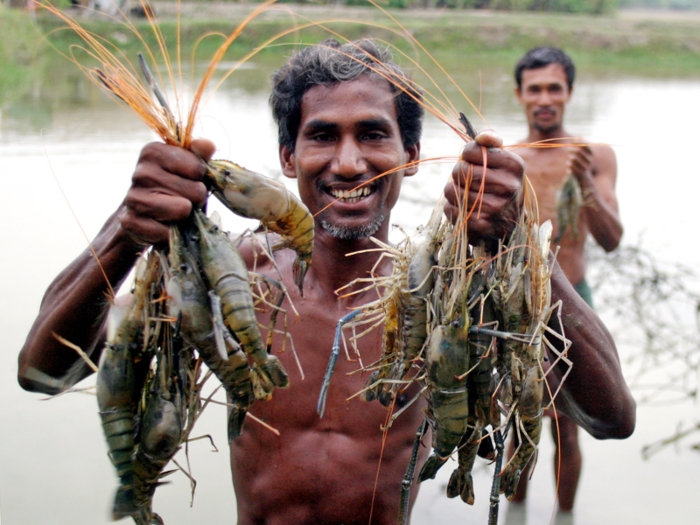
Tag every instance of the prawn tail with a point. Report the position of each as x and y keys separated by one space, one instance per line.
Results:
x=509 y=482
x=461 y=484
x=124 y=503
x=299 y=269
x=235 y=421
x=430 y=467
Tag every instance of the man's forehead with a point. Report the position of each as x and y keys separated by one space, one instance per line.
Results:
x=554 y=72
x=365 y=93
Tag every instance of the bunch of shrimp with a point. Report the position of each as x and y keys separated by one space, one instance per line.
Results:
x=470 y=327
x=148 y=391
x=196 y=303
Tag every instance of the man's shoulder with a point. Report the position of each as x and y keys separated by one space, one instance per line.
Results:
x=602 y=150
x=256 y=248
x=604 y=158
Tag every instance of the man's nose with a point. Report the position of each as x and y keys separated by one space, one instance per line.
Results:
x=545 y=99
x=349 y=160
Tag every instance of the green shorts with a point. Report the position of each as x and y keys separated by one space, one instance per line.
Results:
x=585 y=292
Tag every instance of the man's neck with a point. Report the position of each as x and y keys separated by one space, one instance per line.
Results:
x=333 y=268
x=554 y=136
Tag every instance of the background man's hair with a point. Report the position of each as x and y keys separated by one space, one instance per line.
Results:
x=542 y=57
x=329 y=63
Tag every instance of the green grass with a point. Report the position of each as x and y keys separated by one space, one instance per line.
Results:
x=611 y=45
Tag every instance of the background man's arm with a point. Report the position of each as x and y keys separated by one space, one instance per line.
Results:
x=165 y=187
x=595 y=167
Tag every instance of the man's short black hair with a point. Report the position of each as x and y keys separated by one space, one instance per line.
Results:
x=542 y=57
x=329 y=63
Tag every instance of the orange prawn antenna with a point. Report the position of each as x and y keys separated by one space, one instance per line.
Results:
x=427 y=53
x=218 y=56
x=385 y=435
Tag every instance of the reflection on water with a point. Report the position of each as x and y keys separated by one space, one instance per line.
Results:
x=54 y=468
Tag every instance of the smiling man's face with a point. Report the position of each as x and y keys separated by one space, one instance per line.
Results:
x=348 y=135
x=544 y=93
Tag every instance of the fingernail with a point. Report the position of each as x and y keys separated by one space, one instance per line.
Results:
x=489 y=139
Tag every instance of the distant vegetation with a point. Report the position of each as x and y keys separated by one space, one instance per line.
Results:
x=612 y=44
x=662 y=4
x=20 y=41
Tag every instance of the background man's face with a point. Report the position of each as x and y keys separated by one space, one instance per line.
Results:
x=544 y=93
x=349 y=135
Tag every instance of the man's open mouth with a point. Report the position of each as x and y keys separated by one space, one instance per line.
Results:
x=352 y=196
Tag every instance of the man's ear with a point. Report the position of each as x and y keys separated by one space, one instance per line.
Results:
x=413 y=157
x=519 y=94
x=287 y=162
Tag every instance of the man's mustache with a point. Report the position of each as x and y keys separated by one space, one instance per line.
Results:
x=545 y=109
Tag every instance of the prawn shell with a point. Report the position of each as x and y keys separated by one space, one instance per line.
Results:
x=254 y=196
x=227 y=274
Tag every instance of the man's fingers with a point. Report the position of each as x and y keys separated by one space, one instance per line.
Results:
x=496 y=158
x=499 y=182
x=156 y=181
x=204 y=148
x=143 y=230
x=176 y=160
x=488 y=138
x=158 y=206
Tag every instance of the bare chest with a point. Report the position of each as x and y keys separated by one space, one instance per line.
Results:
x=546 y=171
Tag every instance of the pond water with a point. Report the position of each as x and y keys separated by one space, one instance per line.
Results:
x=66 y=165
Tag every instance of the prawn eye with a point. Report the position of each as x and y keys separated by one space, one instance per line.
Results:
x=183 y=267
x=227 y=173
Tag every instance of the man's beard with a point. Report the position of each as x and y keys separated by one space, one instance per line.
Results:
x=546 y=130
x=351 y=233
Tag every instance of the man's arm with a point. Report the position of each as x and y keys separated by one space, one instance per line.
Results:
x=595 y=394
x=595 y=167
x=165 y=186
x=74 y=307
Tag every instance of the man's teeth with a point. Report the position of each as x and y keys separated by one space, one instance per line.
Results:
x=352 y=196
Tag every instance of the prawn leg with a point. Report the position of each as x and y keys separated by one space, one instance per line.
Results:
x=496 y=487
x=335 y=351
x=410 y=472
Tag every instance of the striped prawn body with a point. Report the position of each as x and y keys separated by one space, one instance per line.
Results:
x=190 y=302
x=228 y=277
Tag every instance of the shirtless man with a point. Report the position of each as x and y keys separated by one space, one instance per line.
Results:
x=544 y=78
x=339 y=125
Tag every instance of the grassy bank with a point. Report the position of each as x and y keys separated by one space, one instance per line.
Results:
x=638 y=42
x=626 y=43
x=20 y=51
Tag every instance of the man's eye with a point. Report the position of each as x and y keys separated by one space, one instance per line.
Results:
x=374 y=135
x=322 y=137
